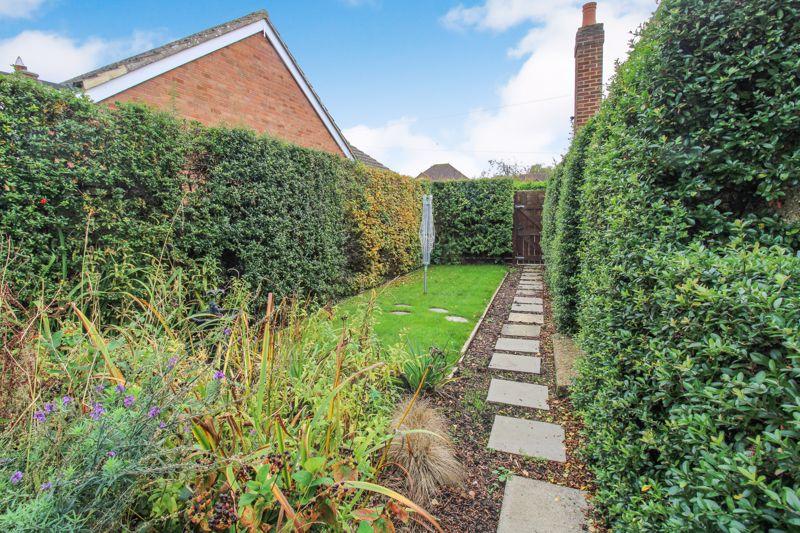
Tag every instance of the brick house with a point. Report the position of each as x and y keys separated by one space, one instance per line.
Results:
x=239 y=73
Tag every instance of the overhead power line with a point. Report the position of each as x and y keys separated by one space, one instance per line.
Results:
x=492 y=108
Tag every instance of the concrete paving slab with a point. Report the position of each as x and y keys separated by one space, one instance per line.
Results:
x=526 y=318
x=516 y=363
x=530 y=285
x=516 y=393
x=521 y=330
x=505 y=344
x=533 y=506
x=565 y=353
x=528 y=293
x=527 y=308
x=528 y=300
x=528 y=437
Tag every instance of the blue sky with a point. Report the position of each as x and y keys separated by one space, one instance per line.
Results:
x=413 y=82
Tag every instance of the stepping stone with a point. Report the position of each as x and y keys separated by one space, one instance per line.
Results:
x=527 y=308
x=527 y=293
x=453 y=318
x=438 y=310
x=521 y=330
x=533 y=285
x=516 y=393
x=399 y=313
x=528 y=437
x=530 y=505
x=565 y=353
x=528 y=300
x=516 y=363
x=526 y=318
x=517 y=345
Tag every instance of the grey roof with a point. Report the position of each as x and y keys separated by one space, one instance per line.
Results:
x=156 y=54
x=367 y=159
x=442 y=172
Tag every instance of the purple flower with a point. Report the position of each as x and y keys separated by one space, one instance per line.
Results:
x=128 y=401
x=39 y=416
x=45 y=486
x=120 y=388
x=162 y=425
x=99 y=388
x=154 y=411
x=49 y=407
x=111 y=453
x=66 y=400
x=97 y=411
x=227 y=331
x=219 y=375
x=172 y=362
x=16 y=477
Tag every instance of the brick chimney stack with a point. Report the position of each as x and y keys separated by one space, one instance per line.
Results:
x=20 y=67
x=588 y=66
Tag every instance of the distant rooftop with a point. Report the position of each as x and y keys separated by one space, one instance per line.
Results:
x=442 y=172
x=367 y=159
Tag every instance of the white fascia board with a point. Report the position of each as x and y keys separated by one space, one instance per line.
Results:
x=140 y=75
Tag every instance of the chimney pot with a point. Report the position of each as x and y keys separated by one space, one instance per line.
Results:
x=20 y=67
x=589 y=13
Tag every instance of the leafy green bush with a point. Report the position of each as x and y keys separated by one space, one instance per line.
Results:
x=474 y=219
x=77 y=177
x=686 y=307
x=383 y=210
x=562 y=256
x=91 y=195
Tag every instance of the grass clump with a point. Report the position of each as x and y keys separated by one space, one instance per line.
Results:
x=423 y=450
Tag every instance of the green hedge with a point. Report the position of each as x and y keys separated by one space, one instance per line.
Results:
x=67 y=166
x=562 y=247
x=688 y=302
x=95 y=195
x=474 y=219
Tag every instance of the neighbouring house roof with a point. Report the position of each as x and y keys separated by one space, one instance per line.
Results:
x=45 y=82
x=442 y=172
x=533 y=176
x=104 y=82
x=366 y=158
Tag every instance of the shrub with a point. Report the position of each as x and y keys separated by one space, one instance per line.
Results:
x=685 y=306
x=562 y=257
x=77 y=176
x=383 y=212
x=91 y=195
x=474 y=219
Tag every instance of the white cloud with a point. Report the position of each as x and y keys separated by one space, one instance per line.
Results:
x=56 y=57
x=529 y=122
x=19 y=8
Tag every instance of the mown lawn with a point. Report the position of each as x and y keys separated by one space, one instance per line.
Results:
x=463 y=290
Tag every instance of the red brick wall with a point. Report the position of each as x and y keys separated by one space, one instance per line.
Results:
x=588 y=72
x=244 y=84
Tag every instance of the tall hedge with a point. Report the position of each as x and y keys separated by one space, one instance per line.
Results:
x=67 y=166
x=474 y=219
x=385 y=210
x=86 y=188
x=562 y=247
x=688 y=302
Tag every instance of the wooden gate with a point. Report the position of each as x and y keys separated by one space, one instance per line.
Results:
x=528 y=226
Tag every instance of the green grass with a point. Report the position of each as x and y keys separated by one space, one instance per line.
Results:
x=464 y=290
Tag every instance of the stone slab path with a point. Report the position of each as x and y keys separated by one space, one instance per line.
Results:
x=516 y=363
x=532 y=506
x=515 y=393
x=526 y=318
x=529 y=505
x=505 y=344
x=521 y=330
